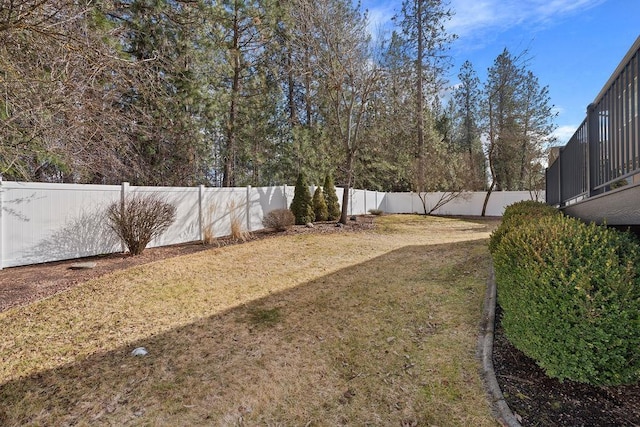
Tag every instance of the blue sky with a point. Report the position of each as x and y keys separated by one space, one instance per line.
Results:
x=573 y=45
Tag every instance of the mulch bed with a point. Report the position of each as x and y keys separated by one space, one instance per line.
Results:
x=542 y=401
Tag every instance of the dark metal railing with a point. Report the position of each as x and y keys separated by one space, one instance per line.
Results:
x=604 y=153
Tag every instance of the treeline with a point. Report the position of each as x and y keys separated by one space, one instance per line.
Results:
x=253 y=92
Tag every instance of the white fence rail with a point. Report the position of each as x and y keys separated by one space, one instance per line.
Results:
x=41 y=222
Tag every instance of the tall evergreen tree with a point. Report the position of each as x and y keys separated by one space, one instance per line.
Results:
x=426 y=41
x=166 y=93
x=519 y=122
x=468 y=100
x=246 y=28
x=387 y=162
x=302 y=205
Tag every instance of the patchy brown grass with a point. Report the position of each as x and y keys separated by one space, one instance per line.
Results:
x=373 y=328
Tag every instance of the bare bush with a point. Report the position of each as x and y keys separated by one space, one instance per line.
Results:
x=141 y=219
x=279 y=219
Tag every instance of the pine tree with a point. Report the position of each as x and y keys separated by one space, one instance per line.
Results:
x=331 y=199
x=319 y=205
x=301 y=206
x=426 y=43
x=468 y=99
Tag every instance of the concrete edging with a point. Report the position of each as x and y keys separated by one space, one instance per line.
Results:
x=503 y=413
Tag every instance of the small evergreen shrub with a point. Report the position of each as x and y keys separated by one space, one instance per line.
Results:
x=570 y=295
x=301 y=205
x=142 y=218
x=331 y=199
x=518 y=214
x=319 y=205
x=279 y=219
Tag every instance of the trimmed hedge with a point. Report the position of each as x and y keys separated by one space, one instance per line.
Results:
x=518 y=214
x=570 y=295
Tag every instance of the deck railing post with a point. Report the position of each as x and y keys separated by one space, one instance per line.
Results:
x=560 y=198
x=592 y=147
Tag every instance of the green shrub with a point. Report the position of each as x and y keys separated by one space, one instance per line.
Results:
x=518 y=214
x=301 y=205
x=279 y=219
x=331 y=199
x=319 y=205
x=570 y=295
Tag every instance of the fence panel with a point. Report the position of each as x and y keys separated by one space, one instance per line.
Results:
x=222 y=206
x=398 y=203
x=370 y=201
x=357 y=202
x=48 y=222
x=186 y=227
x=264 y=200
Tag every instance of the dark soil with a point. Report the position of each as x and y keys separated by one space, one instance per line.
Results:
x=23 y=285
x=537 y=400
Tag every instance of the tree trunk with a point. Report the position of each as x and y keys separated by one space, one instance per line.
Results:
x=230 y=151
x=420 y=102
x=486 y=198
x=293 y=117
x=347 y=187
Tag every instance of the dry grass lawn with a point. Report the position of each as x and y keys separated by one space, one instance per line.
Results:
x=375 y=328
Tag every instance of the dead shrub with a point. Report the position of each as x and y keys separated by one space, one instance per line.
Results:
x=209 y=236
x=237 y=228
x=142 y=218
x=279 y=219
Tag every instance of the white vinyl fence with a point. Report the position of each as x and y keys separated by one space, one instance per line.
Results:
x=41 y=222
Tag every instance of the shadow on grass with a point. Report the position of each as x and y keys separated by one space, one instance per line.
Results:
x=354 y=345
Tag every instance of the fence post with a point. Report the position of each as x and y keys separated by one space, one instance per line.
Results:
x=124 y=189
x=284 y=196
x=200 y=213
x=248 y=208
